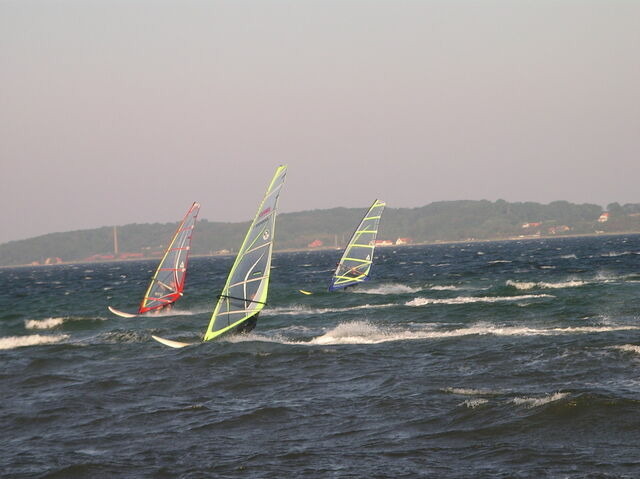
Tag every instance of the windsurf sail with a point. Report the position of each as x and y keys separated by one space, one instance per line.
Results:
x=355 y=264
x=167 y=283
x=245 y=292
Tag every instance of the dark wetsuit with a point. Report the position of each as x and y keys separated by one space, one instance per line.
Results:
x=247 y=326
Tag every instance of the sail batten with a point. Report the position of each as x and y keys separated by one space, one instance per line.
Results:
x=355 y=264
x=245 y=292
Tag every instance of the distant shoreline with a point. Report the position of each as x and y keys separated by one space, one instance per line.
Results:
x=334 y=248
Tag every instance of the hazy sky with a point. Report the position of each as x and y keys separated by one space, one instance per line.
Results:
x=114 y=112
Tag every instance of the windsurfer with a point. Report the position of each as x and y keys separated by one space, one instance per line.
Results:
x=248 y=325
x=353 y=272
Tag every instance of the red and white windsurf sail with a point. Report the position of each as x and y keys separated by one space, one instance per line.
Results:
x=167 y=283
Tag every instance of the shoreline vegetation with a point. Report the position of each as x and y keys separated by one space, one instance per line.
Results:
x=437 y=223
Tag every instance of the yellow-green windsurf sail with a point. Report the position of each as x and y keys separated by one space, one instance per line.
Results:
x=355 y=264
x=245 y=293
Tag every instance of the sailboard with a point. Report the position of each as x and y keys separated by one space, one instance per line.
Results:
x=170 y=342
x=167 y=283
x=355 y=264
x=245 y=293
x=122 y=314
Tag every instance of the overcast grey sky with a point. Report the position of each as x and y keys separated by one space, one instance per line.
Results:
x=113 y=112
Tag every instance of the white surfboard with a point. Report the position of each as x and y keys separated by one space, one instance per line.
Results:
x=122 y=314
x=170 y=343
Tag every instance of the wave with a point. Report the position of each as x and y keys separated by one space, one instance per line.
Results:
x=12 y=342
x=298 y=310
x=569 y=256
x=363 y=332
x=524 y=285
x=472 y=392
x=632 y=348
x=613 y=254
x=43 y=323
x=50 y=323
x=391 y=288
x=474 y=299
x=474 y=403
x=355 y=332
x=445 y=288
x=539 y=401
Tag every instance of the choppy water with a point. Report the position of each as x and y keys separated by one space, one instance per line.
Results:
x=505 y=359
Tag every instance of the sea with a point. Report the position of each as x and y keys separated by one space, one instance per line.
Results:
x=510 y=359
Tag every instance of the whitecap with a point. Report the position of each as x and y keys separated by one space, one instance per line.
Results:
x=43 y=323
x=474 y=299
x=359 y=332
x=631 y=348
x=355 y=332
x=524 y=285
x=390 y=288
x=532 y=402
x=474 y=403
x=445 y=288
x=297 y=310
x=471 y=392
x=12 y=342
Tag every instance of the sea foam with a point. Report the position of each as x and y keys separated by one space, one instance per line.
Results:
x=471 y=392
x=631 y=348
x=363 y=332
x=12 y=342
x=524 y=285
x=532 y=402
x=43 y=323
x=474 y=299
x=474 y=403
x=297 y=310
x=390 y=288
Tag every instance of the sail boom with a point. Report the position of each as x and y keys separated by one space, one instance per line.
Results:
x=241 y=299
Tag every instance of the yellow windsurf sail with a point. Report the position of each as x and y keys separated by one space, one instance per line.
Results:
x=245 y=292
x=355 y=264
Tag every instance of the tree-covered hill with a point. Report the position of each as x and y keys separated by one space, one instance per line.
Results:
x=440 y=221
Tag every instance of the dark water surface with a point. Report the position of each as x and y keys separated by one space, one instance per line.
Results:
x=505 y=359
